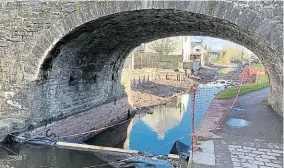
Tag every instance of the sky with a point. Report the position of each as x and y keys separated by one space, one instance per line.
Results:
x=215 y=43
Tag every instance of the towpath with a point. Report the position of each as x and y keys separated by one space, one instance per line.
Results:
x=259 y=145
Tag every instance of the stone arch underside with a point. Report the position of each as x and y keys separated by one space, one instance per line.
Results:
x=80 y=57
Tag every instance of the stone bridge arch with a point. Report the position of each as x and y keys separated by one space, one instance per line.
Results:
x=78 y=58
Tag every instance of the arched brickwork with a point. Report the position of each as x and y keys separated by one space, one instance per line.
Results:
x=92 y=42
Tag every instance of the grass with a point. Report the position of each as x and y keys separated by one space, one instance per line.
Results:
x=257 y=66
x=233 y=91
x=223 y=71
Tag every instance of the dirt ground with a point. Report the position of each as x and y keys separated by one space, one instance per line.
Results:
x=161 y=91
x=210 y=73
x=158 y=92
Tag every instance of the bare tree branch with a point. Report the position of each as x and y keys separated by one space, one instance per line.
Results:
x=164 y=46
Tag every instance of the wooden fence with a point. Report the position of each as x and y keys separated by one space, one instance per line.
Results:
x=153 y=77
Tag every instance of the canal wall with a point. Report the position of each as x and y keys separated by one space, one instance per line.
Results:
x=106 y=138
x=216 y=114
x=99 y=117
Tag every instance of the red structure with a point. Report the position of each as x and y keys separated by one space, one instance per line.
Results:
x=250 y=74
x=194 y=57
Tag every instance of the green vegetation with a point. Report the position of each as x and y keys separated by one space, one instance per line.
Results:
x=77 y=6
x=45 y=10
x=201 y=138
x=223 y=71
x=14 y=6
x=230 y=54
x=257 y=65
x=123 y=84
x=233 y=91
x=179 y=99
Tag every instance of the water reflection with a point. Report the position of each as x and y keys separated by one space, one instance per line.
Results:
x=47 y=156
x=144 y=133
x=167 y=123
x=236 y=122
x=165 y=117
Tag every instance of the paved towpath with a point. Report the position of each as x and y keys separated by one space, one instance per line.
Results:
x=259 y=145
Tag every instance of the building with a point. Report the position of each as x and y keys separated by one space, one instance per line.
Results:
x=185 y=48
x=197 y=52
x=193 y=51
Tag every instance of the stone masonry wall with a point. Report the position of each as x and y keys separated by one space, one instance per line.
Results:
x=61 y=58
x=102 y=116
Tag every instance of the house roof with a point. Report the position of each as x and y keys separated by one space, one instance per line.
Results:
x=193 y=44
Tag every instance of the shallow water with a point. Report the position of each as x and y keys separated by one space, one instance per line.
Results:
x=148 y=132
x=236 y=122
x=154 y=133
x=47 y=156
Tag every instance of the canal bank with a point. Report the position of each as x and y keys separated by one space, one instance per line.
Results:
x=161 y=125
x=255 y=141
x=159 y=92
x=54 y=130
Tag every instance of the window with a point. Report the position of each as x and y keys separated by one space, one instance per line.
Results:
x=197 y=50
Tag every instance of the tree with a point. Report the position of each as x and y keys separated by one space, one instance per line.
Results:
x=164 y=46
x=227 y=54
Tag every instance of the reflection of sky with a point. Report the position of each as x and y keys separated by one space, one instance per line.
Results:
x=144 y=138
x=235 y=122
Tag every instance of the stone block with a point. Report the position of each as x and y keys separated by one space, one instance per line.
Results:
x=256 y=162
x=272 y=154
x=268 y=157
x=273 y=165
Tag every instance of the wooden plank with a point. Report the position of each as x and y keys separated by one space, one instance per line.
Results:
x=173 y=156
x=92 y=147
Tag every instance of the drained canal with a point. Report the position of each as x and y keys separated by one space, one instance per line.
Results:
x=145 y=132
x=164 y=124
